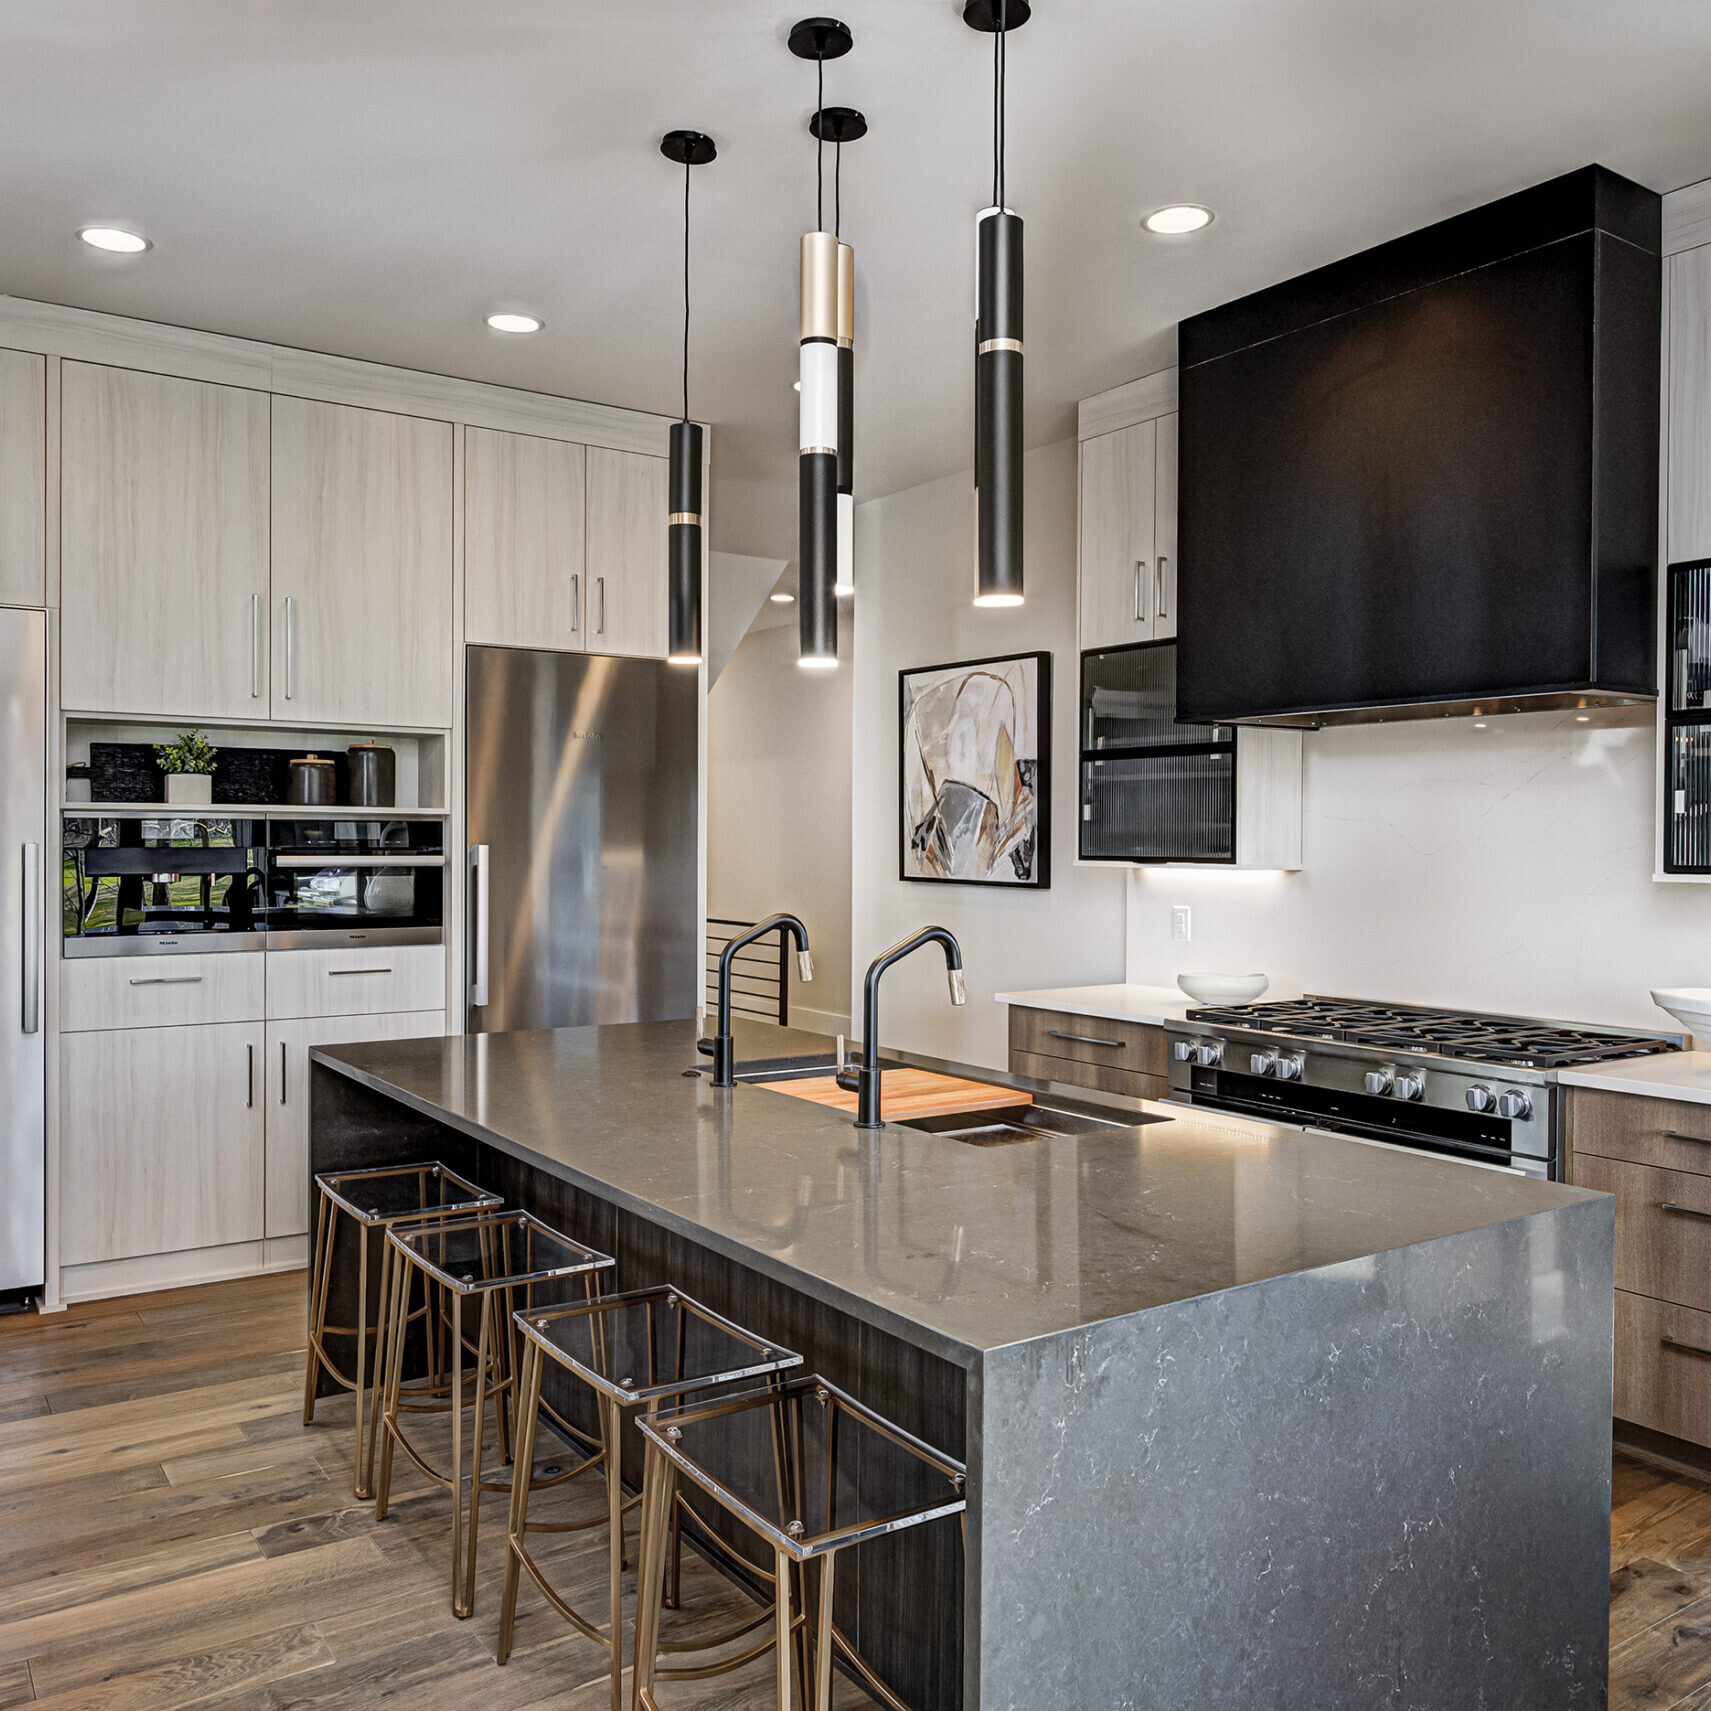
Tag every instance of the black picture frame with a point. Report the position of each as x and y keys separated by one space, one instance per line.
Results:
x=908 y=680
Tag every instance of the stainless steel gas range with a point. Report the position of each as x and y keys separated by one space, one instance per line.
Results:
x=1481 y=1088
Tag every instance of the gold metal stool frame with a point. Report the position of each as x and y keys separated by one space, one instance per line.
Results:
x=793 y=1545
x=342 y=1192
x=470 y=1257
x=596 y=1342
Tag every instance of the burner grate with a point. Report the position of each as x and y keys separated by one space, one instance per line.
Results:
x=1516 y=1041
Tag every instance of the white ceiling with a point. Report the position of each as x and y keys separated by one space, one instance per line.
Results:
x=371 y=177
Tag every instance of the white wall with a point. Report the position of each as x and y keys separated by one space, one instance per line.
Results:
x=778 y=804
x=913 y=607
x=1504 y=868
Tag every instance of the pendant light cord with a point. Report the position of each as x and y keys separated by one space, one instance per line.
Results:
x=820 y=142
x=1000 y=89
x=838 y=189
x=686 y=288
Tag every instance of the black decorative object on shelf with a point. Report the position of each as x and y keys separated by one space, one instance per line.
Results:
x=127 y=772
x=975 y=772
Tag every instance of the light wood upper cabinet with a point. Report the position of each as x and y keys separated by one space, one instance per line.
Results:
x=362 y=566
x=23 y=479
x=164 y=545
x=523 y=523
x=1689 y=406
x=161 y=1140
x=1164 y=530
x=1119 y=575
x=625 y=557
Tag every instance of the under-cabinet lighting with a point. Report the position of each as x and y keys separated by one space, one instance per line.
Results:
x=515 y=323
x=112 y=238
x=782 y=599
x=1178 y=218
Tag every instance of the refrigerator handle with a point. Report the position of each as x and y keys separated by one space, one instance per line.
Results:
x=478 y=929
x=32 y=934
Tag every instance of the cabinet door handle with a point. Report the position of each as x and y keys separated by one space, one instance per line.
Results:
x=255 y=646
x=1677 y=1135
x=31 y=1019
x=478 y=930
x=166 y=980
x=1158 y=584
x=575 y=602
x=1084 y=1039
x=1683 y=1211
x=1140 y=591
x=289 y=628
x=332 y=972
x=281 y=1072
x=1684 y=1348
x=249 y=1091
x=600 y=583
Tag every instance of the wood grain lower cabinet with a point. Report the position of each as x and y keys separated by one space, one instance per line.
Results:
x=23 y=478
x=523 y=520
x=362 y=566
x=162 y=991
x=1089 y=1051
x=161 y=1140
x=624 y=554
x=288 y=1047
x=164 y=494
x=1663 y=1367
x=355 y=981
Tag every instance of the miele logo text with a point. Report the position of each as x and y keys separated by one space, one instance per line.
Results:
x=588 y=736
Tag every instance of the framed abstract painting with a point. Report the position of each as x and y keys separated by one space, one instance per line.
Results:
x=975 y=771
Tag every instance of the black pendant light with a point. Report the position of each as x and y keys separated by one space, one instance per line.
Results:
x=840 y=125
x=818 y=39
x=683 y=529
x=998 y=346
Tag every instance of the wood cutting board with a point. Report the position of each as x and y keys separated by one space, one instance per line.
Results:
x=906 y=1093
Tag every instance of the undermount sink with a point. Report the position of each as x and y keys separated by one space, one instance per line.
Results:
x=1004 y=1125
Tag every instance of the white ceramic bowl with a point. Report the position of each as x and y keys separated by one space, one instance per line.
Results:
x=1689 y=1005
x=1226 y=988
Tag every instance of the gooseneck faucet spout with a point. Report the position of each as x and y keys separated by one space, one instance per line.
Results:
x=864 y=1080
x=720 y=1048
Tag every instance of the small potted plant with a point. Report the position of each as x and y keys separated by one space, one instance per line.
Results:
x=189 y=767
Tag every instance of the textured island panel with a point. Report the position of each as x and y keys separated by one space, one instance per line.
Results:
x=1383 y=1483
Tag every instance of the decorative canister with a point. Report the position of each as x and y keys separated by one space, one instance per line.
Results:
x=311 y=782
x=374 y=775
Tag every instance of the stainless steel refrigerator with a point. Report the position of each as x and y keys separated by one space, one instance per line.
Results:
x=581 y=797
x=23 y=1061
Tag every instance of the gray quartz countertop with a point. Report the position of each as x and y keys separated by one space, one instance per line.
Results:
x=957 y=1248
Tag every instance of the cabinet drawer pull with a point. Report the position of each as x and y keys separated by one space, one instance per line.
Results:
x=166 y=980
x=1677 y=1135
x=1083 y=1039
x=1684 y=1348
x=332 y=972
x=281 y=1072
x=1683 y=1211
x=249 y=1087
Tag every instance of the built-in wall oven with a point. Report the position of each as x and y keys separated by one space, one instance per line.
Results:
x=146 y=882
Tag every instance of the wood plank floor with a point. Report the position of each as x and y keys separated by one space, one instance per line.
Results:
x=171 y=1535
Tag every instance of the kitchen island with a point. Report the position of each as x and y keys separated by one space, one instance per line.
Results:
x=1253 y=1417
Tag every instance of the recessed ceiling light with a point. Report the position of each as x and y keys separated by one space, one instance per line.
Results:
x=1479 y=724
x=782 y=599
x=111 y=238
x=514 y=323
x=1581 y=718
x=1179 y=217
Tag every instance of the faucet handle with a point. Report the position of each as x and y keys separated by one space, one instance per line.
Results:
x=959 y=988
x=805 y=965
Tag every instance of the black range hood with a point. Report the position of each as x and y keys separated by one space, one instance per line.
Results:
x=1424 y=480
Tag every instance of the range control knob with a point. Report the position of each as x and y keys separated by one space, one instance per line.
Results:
x=1481 y=1098
x=1411 y=1084
x=1381 y=1080
x=1264 y=1063
x=1185 y=1051
x=1209 y=1053
x=1290 y=1066
x=1518 y=1105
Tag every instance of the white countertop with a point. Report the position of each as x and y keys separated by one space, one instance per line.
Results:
x=1670 y=1075
x=1155 y=1004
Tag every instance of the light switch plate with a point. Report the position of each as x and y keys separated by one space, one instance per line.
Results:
x=1181 y=922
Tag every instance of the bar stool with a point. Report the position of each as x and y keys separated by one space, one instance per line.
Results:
x=902 y=1483
x=633 y=1351
x=372 y=1200
x=489 y=1256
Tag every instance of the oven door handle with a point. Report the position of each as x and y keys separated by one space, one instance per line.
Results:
x=359 y=861
x=1421 y=1152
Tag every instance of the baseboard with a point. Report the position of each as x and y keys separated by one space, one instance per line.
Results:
x=1676 y=1454
x=144 y=1274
